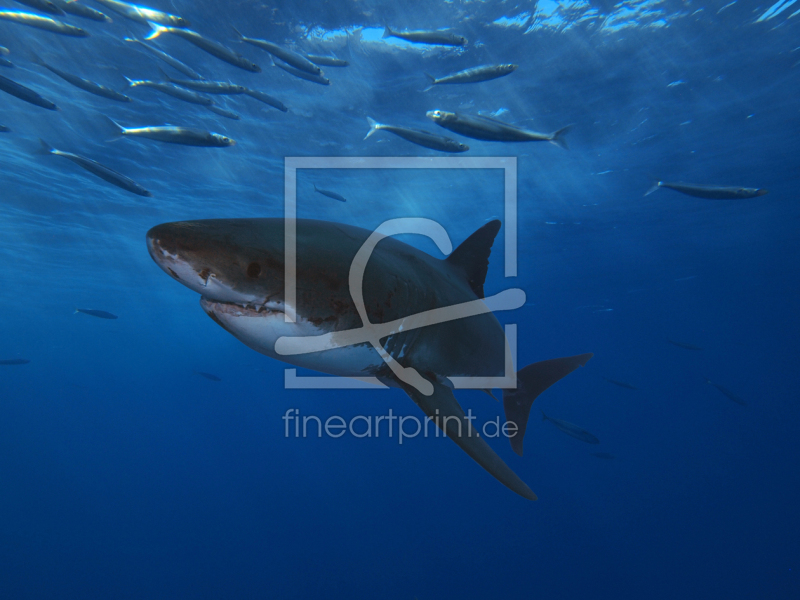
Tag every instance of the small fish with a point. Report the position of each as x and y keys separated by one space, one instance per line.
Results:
x=14 y=361
x=320 y=79
x=81 y=10
x=439 y=38
x=684 y=345
x=572 y=429
x=26 y=94
x=4 y=129
x=143 y=14
x=170 y=60
x=44 y=23
x=6 y=63
x=184 y=136
x=333 y=195
x=710 y=192
x=621 y=384
x=727 y=392
x=4 y=51
x=207 y=375
x=173 y=90
x=216 y=108
x=84 y=84
x=327 y=61
x=101 y=171
x=207 y=87
x=419 y=137
x=45 y=6
x=298 y=61
x=492 y=130
x=100 y=314
x=266 y=99
x=604 y=455
x=213 y=48
x=474 y=75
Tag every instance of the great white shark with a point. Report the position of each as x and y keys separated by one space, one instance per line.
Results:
x=238 y=267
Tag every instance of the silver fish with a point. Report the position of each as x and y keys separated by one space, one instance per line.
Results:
x=101 y=171
x=170 y=60
x=440 y=38
x=24 y=93
x=327 y=61
x=4 y=129
x=207 y=87
x=710 y=192
x=81 y=10
x=729 y=394
x=100 y=314
x=172 y=90
x=143 y=14
x=329 y=194
x=44 y=23
x=184 y=136
x=45 y=6
x=320 y=79
x=266 y=99
x=84 y=84
x=419 y=137
x=14 y=362
x=623 y=384
x=572 y=430
x=474 y=75
x=484 y=128
x=213 y=48
x=216 y=108
x=290 y=57
x=6 y=63
x=684 y=345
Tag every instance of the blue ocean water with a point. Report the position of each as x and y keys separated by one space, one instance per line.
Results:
x=126 y=474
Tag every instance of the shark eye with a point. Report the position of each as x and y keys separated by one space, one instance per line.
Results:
x=253 y=269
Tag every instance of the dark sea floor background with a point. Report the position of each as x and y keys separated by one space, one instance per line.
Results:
x=126 y=474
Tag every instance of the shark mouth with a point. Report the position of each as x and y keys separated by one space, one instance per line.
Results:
x=241 y=309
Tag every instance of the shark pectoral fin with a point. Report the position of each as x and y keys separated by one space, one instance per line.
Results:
x=443 y=408
x=532 y=381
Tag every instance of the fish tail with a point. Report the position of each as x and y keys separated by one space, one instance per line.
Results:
x=315 y=188
x=119 y=130
x=432 y=81
x=239 y=35
x=46 y=148
x=531 y=382
x=131 y=82
x=653 y=188
x=387 y=32
x=557 y=137
x=373 y=127
x=156 y=30
x=544 y=416
x=164 y=75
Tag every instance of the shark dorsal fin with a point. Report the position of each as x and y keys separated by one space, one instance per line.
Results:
x=472 y=256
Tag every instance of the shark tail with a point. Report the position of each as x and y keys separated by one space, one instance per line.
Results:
x=373 y=127
x=558 y=137
x=387 y=32
x=532 y=381
x=443 y=409
x=156 y=30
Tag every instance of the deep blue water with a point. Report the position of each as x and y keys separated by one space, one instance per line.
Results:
x=124 y=474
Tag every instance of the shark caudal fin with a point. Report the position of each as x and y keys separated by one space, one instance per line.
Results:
x=472 y=256
x=558 y=137
x=446 y=413
x=532 y=381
